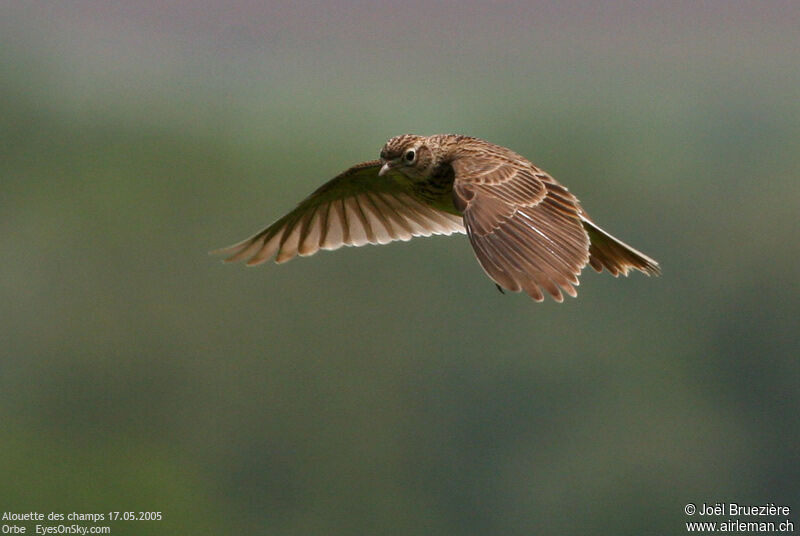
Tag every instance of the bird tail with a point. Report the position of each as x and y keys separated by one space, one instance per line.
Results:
x=614 y=255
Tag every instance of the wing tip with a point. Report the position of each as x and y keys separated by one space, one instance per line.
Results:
x=653 y=269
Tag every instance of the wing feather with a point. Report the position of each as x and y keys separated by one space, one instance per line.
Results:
x=355 y=226
x=269 y=245
x=311 y=235
x=354 y=208
x=525 y=228
x=403 y=230
x=384 y=232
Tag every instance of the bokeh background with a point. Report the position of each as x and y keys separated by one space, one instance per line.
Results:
x=393 y=390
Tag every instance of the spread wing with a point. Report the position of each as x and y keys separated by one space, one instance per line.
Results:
x=354 y=208
x=525 y=228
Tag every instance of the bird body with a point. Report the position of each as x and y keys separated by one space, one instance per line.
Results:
x=528 y=231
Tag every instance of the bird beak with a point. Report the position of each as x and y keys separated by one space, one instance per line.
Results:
x=384 y=168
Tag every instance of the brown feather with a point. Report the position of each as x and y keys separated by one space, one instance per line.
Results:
x=539 y=243
x=529 y=233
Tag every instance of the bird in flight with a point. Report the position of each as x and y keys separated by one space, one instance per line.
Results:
x=528 y=231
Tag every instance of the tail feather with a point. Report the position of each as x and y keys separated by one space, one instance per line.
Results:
x=615 y=255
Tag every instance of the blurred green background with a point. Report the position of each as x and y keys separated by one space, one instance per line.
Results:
x=393 y=390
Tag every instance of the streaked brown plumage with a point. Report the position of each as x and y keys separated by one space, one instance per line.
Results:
x=529 y=232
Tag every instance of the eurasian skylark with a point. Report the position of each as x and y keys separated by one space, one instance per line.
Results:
x=528 y=232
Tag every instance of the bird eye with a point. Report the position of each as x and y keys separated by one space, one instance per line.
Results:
x=410 y=155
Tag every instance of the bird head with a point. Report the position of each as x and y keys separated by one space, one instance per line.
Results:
x=408 y=154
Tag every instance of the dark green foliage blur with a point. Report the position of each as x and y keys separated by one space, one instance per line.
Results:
x=393 y=390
